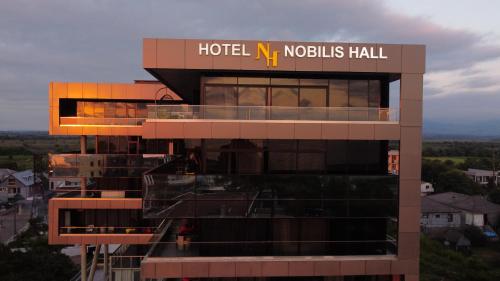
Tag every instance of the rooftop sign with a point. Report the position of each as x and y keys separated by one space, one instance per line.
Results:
x=264 y=51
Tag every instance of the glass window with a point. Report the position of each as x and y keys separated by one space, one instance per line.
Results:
x=284 y=81
x=102 y=144
x=339 y=96
x=121 y=110
x=253 y=81
x=131 y=110
x=123 y=145
x=313 y=97
x=221 y=80
x=113 y=144
x=220 y=95
x=109 y=109
x=282 y=162
x=250 y=162
x=215 y=162
x=313 y=82
x=282 y=97
x=88 y=109
x=358 y=93
x=252 y=96
x=336 y=156
x=316 y=99
x=80 y=109
x=311 y=162
x=374 y=94
x=311 y=145
x=142 y=110
x=217 y=144
x=98 y=110
x=282 y=145
x=364 y=156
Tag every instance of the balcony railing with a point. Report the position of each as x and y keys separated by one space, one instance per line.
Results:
x=103 y=165
x=106 y=230
x=272 y=113
x=79 y=121
x=92 y=192
x=189 y=196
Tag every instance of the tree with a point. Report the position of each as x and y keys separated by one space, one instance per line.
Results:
x=494 y=196
x=438 y=263
x=445 y=177
x=475 y=235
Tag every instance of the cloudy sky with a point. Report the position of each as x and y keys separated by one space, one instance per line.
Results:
x=63 y=40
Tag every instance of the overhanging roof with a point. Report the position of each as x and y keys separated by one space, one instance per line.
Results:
x=179 y=63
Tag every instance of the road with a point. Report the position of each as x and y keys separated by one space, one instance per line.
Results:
x=11 y=218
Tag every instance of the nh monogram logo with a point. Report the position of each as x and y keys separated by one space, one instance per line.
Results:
x=264 y=48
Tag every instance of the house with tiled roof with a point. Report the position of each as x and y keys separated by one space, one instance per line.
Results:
x=473 y=209
x=14 y=183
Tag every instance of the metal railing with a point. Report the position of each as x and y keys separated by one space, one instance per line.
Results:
x=106 y=230
x=124 y=121
x=103 y=165
x=126 y=262
x=272 y=113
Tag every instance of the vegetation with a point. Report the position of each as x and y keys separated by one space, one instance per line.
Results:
x=29 y=257
x=438 y=263
x=445 y=176
x=465 y=155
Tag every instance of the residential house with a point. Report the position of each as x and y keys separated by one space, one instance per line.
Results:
x=483 y=177
x=17 y=183
x=426 y=188
x=473 y=209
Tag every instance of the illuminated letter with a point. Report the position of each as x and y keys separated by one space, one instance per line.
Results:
x=244 y=50
x=312 y=52
x=289 y=51
x=339 y=52
x=300 y=51
x=380 y=53
x=353 y=52
x=265 y=52
x=364 y=53
x=215 y=49
x=203 y=49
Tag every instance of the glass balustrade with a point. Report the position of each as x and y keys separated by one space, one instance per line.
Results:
x=272 y=113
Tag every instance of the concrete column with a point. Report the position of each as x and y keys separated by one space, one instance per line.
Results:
x=83 y=144
x=94 y=261
x=171 y=147
x=106 y=261
x=83 y=262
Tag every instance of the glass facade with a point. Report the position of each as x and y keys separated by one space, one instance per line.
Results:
x=232 y=91
x=275 y=197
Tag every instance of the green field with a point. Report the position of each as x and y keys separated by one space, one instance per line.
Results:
x=16 y=151
x=455 y=159
x=23 y=162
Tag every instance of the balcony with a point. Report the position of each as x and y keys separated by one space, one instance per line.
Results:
x=275 y=113
x=103 y=165
x=100 y=121
x=270 y=196
x=106 y=230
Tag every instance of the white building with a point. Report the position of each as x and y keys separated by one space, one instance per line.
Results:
x=483 y=176
x=17 y=183
x=440 y=210
x=426 y=188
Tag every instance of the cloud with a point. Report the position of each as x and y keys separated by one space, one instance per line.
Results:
x=101 y=40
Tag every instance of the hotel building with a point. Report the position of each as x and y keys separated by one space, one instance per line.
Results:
x=246 y=160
